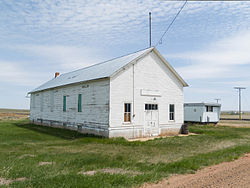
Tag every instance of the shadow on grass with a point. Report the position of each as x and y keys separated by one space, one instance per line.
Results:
x=53 y=131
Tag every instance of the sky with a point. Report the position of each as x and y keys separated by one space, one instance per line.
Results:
x=208 y=44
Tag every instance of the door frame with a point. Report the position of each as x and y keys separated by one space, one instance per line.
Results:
x=152 y=133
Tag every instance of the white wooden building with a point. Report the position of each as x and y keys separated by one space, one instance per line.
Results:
x=136 y=95
x=202 y=112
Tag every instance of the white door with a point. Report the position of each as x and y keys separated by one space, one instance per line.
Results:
x=151 y=125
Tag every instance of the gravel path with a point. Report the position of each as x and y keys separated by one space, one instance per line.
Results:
x=227 y=174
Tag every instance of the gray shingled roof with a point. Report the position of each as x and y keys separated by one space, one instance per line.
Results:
x=97 y=71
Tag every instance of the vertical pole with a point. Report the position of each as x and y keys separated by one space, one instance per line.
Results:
x=239 y=103
x=239 y=88
x=149 y=29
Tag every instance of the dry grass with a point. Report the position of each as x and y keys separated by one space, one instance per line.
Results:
x=13 y=114
x=234 y=123
x=235 y=116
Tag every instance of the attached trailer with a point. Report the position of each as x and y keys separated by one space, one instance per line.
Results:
x=202 y=112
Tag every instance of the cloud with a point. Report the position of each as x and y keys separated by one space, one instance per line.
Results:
x=224 y=58
x=12 y=73
x=43 y=61
x=66 y=58
x=113 y=20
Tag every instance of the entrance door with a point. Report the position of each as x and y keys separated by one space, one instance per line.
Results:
x=151 y=120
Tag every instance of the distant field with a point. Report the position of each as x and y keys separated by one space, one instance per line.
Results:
x=11 y=114
x=37 y=156
x=245 y=115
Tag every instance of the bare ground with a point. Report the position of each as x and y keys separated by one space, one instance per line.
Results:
x=110 y=171
x=4 y=181
x=227 y=174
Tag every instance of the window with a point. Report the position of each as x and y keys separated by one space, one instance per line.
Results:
x=127 y=112
x=209 y=108
x=151 y=106
x=64 y=103
x=79 y=102
x=171 y=112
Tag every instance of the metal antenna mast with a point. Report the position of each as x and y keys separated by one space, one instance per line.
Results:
x=149 y=29
x=217 y=100
x=239 y=88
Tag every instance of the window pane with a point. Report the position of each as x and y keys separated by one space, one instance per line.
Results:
x=156 y=107
x=171 y=106
x=129 y=107
x=146 y=106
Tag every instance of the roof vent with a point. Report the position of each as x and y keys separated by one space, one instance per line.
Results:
x=57 y=74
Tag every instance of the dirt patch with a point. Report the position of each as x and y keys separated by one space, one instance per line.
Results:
x=4 y=181
x=110 y=171
x=45 y=163
x=154 y=137
x=227 y=174
x=90 y=173
x=26 y=155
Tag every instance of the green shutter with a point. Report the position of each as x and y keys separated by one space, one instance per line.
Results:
x=79 y=102
x=64 y=103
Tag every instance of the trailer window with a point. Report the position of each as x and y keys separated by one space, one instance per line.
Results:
x=171 y=112
x=127 y=112
x=209 y=108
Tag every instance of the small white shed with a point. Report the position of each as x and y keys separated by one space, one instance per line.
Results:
x=202 y=112
x=136 y=95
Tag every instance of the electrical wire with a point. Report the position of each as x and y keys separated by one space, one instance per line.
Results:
x=160 y=41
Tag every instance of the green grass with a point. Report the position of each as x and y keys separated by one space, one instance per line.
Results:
x=23 y=146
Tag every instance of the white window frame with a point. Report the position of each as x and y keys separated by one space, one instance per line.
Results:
x=123 y=114
x=171 y=113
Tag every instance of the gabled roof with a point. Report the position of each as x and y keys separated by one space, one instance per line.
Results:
x=102 y=70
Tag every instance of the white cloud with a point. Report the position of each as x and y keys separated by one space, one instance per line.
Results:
x=12 y=73
x=48 y=59
x=65 y=57
x=220 y=59
x=97 y=19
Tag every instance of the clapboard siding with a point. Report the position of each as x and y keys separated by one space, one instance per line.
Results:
x=138 y=78
x=149 y=74
x=95 y=104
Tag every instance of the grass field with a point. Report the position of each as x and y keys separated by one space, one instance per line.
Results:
x=49 y=157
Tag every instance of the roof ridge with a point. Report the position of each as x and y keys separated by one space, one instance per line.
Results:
x=107 y=61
